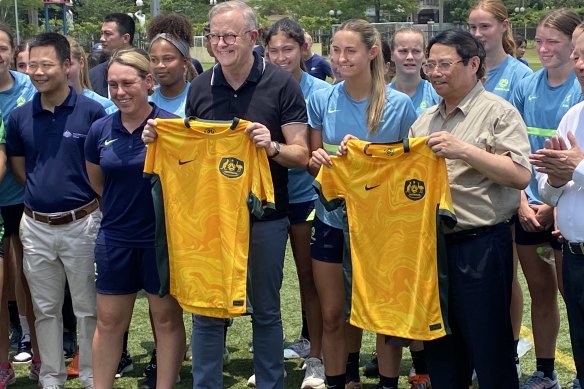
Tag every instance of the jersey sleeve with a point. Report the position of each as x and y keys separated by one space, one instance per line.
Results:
x=518 y=96
x=150 y=160
x=446 y=208
x=293 y=106
x=261 y=200
x=408 y=118
x=329 y=183
x=316 y=108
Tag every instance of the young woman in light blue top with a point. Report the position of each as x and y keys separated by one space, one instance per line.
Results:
x=363 y=106
x=170 y=38
x=543 y=99
x=489 y=23
x=15 y=90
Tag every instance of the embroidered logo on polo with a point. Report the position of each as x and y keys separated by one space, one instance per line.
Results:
x=531 y=97
x=231 y=167
x=21 y=100
x=109 y=141
x=414 y=189
x=74 y=135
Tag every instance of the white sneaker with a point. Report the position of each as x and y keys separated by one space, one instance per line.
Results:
x=299 y=349
x=314 y=376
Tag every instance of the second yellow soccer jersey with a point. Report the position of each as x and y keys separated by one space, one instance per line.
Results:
x=212 y=177
x=396 y=196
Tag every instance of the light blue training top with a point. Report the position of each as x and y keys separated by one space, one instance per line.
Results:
x=502 y=79
x=336 y=114
x=425 y=96
x=300 y=187
x=11 y=192
x=175 y=105
x=542 y=107
x=106 y=103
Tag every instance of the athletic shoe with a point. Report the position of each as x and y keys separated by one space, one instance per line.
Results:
x=24 y=353
x=125 y=365
x=314 y=375
x=7 y=376
x=148 y=382
x=73 y=368
x=576 y=384
x=34 y=370
x=299 y=349
x=150 y=369
x=420 y=381
x=371 y=368
x=15 y=334
x=69 y=344
x=353 y=385
x=539 y=381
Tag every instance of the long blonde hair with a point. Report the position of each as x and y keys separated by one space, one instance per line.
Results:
x=371 y=37
x=499 y=12
x=78 y=53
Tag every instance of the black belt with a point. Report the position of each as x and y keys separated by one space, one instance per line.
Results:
x=576 y=248
x=464 y=235
x=62 y=218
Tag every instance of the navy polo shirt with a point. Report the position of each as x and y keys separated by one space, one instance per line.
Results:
x=52 y=146
x=127 y=206
x=269 y=96
x=317 y=66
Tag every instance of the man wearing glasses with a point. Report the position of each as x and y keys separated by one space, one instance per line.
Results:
x=483 y=139
x=243 y=85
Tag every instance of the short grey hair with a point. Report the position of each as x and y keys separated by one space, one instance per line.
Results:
x=236 y=5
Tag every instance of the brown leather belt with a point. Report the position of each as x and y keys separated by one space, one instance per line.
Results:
x=62 y=218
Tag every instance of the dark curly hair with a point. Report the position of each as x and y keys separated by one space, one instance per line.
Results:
x=174 y=24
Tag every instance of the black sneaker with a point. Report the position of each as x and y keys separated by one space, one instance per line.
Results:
x=371 y=368
x=24 y=353
x=148 y=382
x=125 y=365
x=150 y=369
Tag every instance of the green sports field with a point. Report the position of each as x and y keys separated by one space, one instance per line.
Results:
x=239 y=338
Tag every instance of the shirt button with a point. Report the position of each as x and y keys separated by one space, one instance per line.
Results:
x=235 y=95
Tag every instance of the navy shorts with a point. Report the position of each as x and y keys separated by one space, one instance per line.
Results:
x=326 y=242
x=125 y=270
x=525 y=238
x=12 y=215
x=301 y=212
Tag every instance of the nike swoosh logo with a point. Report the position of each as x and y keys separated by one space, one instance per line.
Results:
x=371 y=187
x=333 y=110
x=183 y=162
x=110 y=141
x=530 y=97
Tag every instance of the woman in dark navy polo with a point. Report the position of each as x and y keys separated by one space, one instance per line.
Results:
x=124 y=252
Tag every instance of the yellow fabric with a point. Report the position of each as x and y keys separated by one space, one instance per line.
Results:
x=393 y=199
x=212 y=176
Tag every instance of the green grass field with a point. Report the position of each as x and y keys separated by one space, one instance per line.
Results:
x=239 y=338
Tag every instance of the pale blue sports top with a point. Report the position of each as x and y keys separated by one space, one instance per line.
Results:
x=11 y=192
x=542 y=107
x=336 y=114
x=502 y=79
x=300 y=188
x=425 y=96
x=175 y=105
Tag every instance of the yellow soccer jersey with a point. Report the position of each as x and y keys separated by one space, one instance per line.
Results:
x=396 y=195
x=212 y=176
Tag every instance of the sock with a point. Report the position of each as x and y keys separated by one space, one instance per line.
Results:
x=388 y=382
x=516 y=343
x=24 y=325
x=304 y=332
x=419 y=361
x=125 y=344
x=353 y=367
x=13 y=312
x=546 y=366
x=335 y=381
